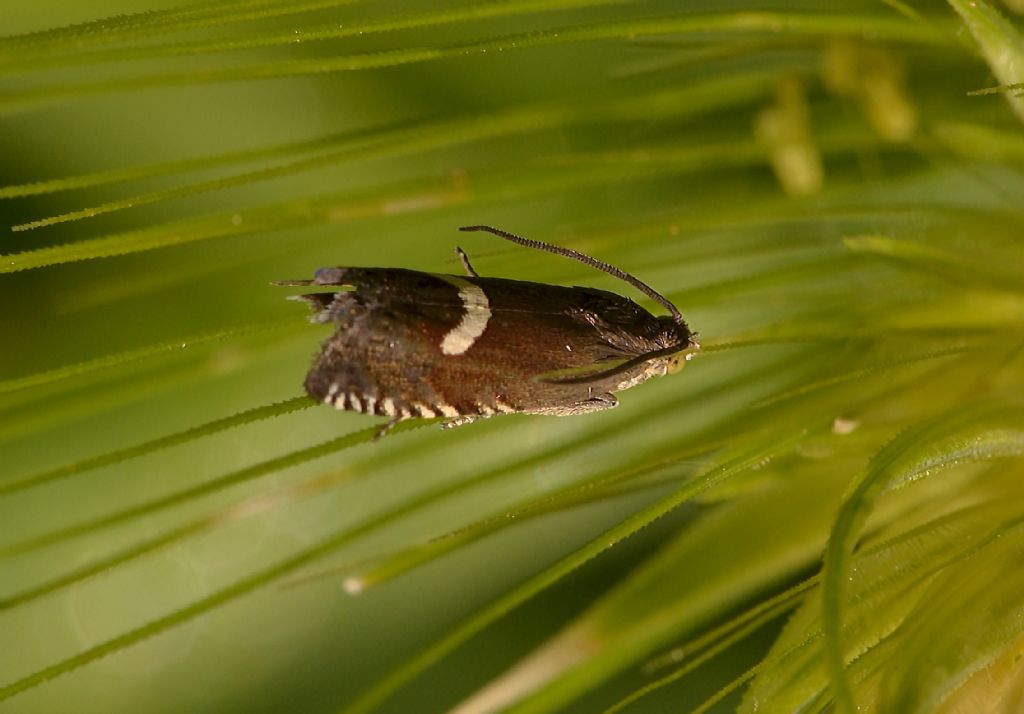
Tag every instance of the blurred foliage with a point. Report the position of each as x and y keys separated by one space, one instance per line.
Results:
x=821 y=513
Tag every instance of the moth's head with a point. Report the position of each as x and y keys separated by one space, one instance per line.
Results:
x=676 y=334
x=668 y=345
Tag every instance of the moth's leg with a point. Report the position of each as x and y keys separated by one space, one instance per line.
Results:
x=594 y=403
x=465 y=263
x=385 y=428
x=460 y=420
x=599 y=402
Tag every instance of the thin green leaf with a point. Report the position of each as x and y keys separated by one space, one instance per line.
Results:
x=410 y=197
x=937 y=659
x=109 y=361
x=353 y=139
x=999 y=41
x=980 y=141
x=990 y=270
x=878 y=27
x=893 y=574
x=221 y=597
x=655 y=605
x=110 y=458
x=234 y=478
x=122 y=28
x=247 y=508
x=388 y=685
x=985 y=432
x=701 y=97
x=719 y=640
x=300 y=34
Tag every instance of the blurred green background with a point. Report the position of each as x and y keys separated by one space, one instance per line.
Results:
x=820 y=513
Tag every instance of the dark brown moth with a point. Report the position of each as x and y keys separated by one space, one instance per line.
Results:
x=410 y=344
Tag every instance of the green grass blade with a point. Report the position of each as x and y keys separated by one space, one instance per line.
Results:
x=879 y=27
x=115 y=360
x=701 y=97
x=300 y=34
x=217 y=599
x=234 y=478
x=387 y=686
x=1000 y=43
x=982 y=433
x=123 y=28
x=185 y=436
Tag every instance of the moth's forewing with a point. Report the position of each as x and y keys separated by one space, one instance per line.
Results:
x=394 y=343
x=378 y=359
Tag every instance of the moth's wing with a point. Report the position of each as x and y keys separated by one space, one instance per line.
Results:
x=380 y=358
x=598 y=373
x=533 y=330
x=415 y=344
x=581 y=373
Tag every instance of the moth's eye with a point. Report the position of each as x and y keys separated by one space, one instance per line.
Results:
x=676 y=364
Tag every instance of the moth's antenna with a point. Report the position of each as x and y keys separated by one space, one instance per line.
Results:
x=586 y=260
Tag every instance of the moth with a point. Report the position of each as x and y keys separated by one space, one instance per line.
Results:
x=411 y=344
